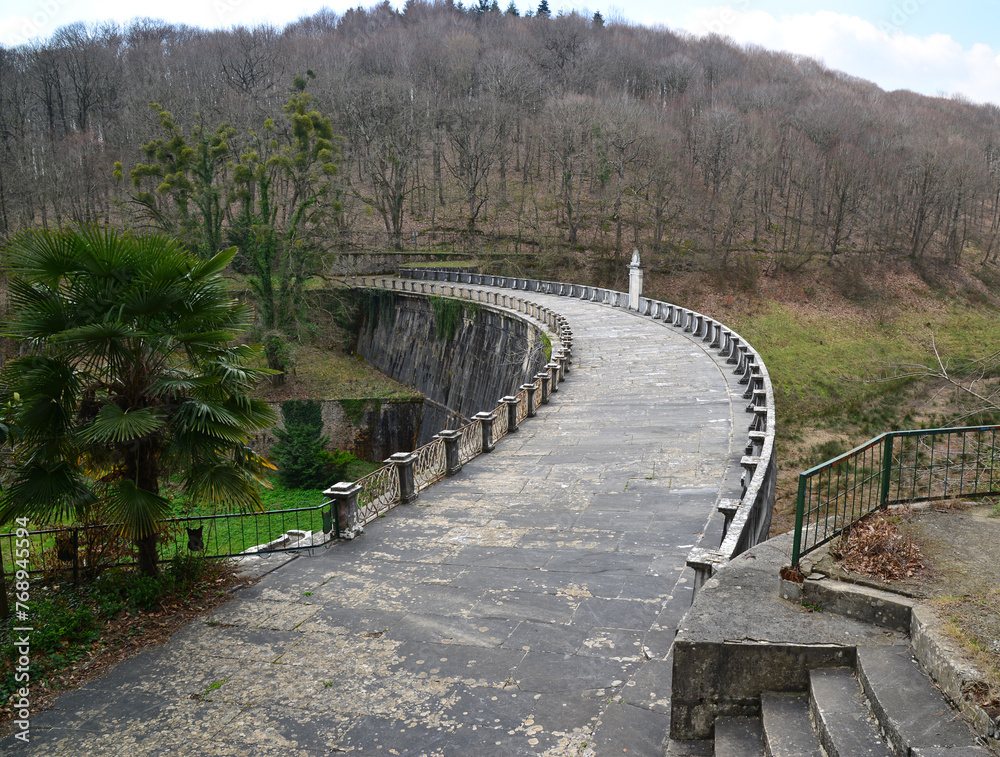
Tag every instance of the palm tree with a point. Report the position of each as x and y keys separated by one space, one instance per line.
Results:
x=129 y=372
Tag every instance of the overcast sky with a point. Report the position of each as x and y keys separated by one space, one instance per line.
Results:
x=929 y=46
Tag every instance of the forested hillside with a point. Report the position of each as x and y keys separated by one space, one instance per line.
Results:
x=505 y=132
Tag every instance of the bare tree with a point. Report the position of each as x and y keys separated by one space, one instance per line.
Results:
x=477 y=129
x=386 y=137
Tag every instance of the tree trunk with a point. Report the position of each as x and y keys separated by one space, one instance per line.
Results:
x=148 y=558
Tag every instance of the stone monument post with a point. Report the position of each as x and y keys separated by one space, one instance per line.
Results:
x=634 y=281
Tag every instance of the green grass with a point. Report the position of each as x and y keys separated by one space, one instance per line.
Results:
x=827 y=372
x=822 y=368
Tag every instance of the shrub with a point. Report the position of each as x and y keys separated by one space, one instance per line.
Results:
x=303 y=462
x=337 y=463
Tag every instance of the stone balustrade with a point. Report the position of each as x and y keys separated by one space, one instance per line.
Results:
x=748 y=516
x=356 y=504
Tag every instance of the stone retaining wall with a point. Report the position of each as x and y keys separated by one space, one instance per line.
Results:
x=489 y=355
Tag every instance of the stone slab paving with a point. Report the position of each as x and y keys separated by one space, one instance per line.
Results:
x=526 y=606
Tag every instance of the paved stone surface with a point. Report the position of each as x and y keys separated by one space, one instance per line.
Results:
x=526 y=606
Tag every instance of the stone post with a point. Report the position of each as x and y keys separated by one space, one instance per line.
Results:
x=403 y=461
x=554 y=372
x=545 y=378
x=486 y=421
x=452 y=461
x=567 y=353
x=511 y=402
x=345 y=496
x=559 y=358
x=530 y=389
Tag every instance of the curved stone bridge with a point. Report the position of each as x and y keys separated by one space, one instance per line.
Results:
x=525 y=606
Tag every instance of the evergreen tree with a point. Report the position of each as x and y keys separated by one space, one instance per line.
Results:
x=299 y=451
x=301 y=454
x=598 y=20
x=543 y=9
x=512 y=10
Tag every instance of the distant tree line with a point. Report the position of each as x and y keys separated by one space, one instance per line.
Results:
x=444 y=117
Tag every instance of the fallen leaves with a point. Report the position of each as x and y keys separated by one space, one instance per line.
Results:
x=877 y=547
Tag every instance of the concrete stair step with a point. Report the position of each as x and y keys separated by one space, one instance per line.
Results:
x=912 y=712
x=739 y=737
x=846 y=727
x=788 y=729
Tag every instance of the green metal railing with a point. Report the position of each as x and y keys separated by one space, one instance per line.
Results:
x=894 y=468
x=78 y=550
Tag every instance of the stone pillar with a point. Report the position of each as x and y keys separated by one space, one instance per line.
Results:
x=486 y=422
x=544 y=377
x=403 y=461
x=734 y=352
x=530 y=389
x=554 y=372
x=511 y=402
x=560 y=359
x=345 y=496
x=452 y=461
x=728 y=508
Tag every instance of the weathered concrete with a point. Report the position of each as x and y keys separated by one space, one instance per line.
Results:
x=489 y=355
x=912 y=712
x=741 y=638
x=527 y=605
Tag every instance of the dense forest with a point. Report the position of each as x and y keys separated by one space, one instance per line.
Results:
x=383 y=128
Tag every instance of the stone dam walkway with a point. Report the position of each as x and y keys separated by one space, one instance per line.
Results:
x=525 y=606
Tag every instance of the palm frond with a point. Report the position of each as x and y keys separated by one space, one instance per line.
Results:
x=205 y=339
x=174 y=385
x=115 y=425
x=214 y=265
x=42 y=256
x=253 y=413
x=45 y=493
x=199 y=416
x=136 y=509
x=224 y=486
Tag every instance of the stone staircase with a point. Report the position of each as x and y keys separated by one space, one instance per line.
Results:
x=886 y=707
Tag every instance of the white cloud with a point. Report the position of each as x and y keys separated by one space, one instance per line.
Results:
x=931 y=65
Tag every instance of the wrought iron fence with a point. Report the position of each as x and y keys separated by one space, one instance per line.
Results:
x=85 y=550
x=379 y=492
x=501 y=422
x=522 y=405
x=430 y=465
x=471 y=443
x=895 y=468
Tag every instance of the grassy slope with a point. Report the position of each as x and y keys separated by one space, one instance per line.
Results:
x=829 y=346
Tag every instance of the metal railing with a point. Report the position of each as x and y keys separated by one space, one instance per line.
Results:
x=79 y=550
x=895 y=468
x=379 y=493
x=471 y=443
x=430 y=464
